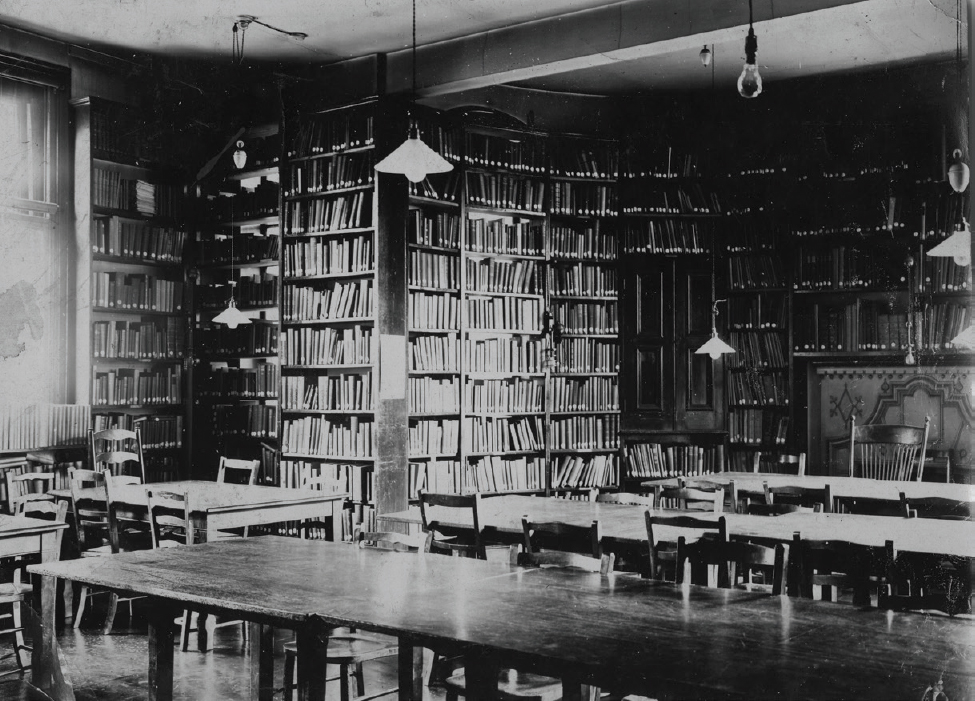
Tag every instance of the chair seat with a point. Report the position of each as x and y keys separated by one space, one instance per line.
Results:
x=10 y=592
x=97 y=552
x=513 y=684
x=353 y=648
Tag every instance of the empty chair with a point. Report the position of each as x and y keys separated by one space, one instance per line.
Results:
x=691 y=497
x=234 y=471
x=938 y=507
x=349 y=649
x=564 y=537
x=888 y=451
x=127 y=532
x=460 y=537
x=89 y=506
x=780 y=463
x=15 y=592
x=626 y=498
x=735 y=561
x=118 y=451
x=834 y=566
x=803 y=498
x=663 y=550
x=27 y=486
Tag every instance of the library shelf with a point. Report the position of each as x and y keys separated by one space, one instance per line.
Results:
x=328 y=192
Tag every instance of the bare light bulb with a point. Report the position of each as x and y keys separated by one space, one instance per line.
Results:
x=750 y=81
x=240 y=156
x=958 y=173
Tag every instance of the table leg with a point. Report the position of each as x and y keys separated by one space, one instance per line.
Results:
x=260 y=648
x=47 y=674
x=410 y=671
x=161 y=638
x=206 y=628
x=312 y=643
x=481 y=674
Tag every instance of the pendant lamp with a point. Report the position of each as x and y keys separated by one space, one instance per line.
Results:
x=231 y=316
x=750 y=81
x=413 y=158
x=957 y=246
x=714 y=346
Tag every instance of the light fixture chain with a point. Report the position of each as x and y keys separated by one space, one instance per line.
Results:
x=413 y=91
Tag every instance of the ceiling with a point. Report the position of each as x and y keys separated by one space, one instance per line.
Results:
x=852 y=35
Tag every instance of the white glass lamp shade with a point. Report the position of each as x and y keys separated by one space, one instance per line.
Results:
x=414 y=159
x=966 y=339
x=715 y=347
x=240 y=156
x=958 y=173
x=705 y=56
x=957 y=246
x=231 y=316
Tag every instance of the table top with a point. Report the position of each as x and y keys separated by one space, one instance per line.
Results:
x=861 y=487
x=689 y=642
x=628 y=525
x=12 y=526
x=207 y=496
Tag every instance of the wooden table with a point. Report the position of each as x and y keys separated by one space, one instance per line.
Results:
x=636 y=635
x=626 y=524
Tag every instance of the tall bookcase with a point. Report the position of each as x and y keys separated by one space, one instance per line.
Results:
x=131 y=309
x=237 y=251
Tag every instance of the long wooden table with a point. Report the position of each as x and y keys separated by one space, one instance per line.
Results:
x=634 y=635
x=626 y=524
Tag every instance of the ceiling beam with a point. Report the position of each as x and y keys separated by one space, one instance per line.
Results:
x=619 y=32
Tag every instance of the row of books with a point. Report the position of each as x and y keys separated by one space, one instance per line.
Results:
x=764 y=427
x=258 y=290
x=239 y=249
x=584 y=199
x=513 y=395
x=757 y=389
x=445 y=188
x=433 y=353
x=136 y=291
x=440 y=229
x=587 y=355
x=503 y=191
x=350 y=211
x=653 y=460
x=155 y=339
x=585 y=394
x=843 y=268
x=691 y=199
x=329 y=478
x=258 y=382
x=434 y=312
x=428 y=269
x=485 y=475
x=519 y=154
x=348 y=345
x=943 y=213
x=578 y=471
x=137 y=386
x=434 y=437
x=112 y=190
x=760 y=311
x=942 y=322
x=325 y=174
x=485 y=434
x=578 y=160
x=434 y=395
x=945 y=275
x=665 y=163
x=156 y=432
x=583 y=279
x=501 y=275
x=447 y=141
x=584 y=432
x=349 y=391
x=879 y=328
x=350 y=437
x=757 y=350
x=666 y=236
x=763 y=231
x=832 y=328
x=338 y=300
x=504 y=314
x=755 y=272
x=584 y=243
x=249 y=420
x=256 y=203
x=26 y=427
x=140 y=240
x=332 y=256
x=117 y=133
x=336 y=132
x=823 y=214
x=505 y=355
x=587 y=317
x=507 y=236
x=245 y=340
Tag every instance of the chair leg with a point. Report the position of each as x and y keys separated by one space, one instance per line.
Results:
x=110 y=615
x=82 y=600
x=68 y=599
x=345 y=682
x=184 y=630
x=19 y=644
x=289 y=675
x=360 y=681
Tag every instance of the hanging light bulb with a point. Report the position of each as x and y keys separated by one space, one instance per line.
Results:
x=750 y=81
x=957 y=246
x=413 y=158
x=958 y=173
x=240 y=156
x=705 y=56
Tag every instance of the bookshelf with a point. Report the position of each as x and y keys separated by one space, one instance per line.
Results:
x=237 y=251
x=131 y=298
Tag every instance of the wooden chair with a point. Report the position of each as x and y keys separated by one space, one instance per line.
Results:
x=27 y=486
x=562 y=537
x=735 y=560
x=938 y=507
x=626 y=498
x=118 y=451
x=349 y=649
x=235 y=471
x=783 y=464
x=15 y=592
x=89 y=507
x=808 y=498
x=838 y=565
x=699 y=497
x=514 y=685
x=126 y=533
x=458 y=541
x=888 y=451
x=663 y=553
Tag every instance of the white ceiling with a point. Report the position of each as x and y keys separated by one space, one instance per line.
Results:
x=872 y=33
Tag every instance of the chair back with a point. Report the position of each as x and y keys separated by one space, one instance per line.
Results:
x=56 y=511
x=564 y=537
x=126 y=531
x=395 y=542
x=117 y=451
x=939 y=507
x=888 y=451
x=836 y=564
x=89 y=503
x=812 y=499
x=662 y=551
x=627 y=498
x=27 y=486
x=234 y=471
x=734 y=559
x=691 y=497
x=780 y=463
x=169 y=518
x=564 y=560
x=457 y=540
